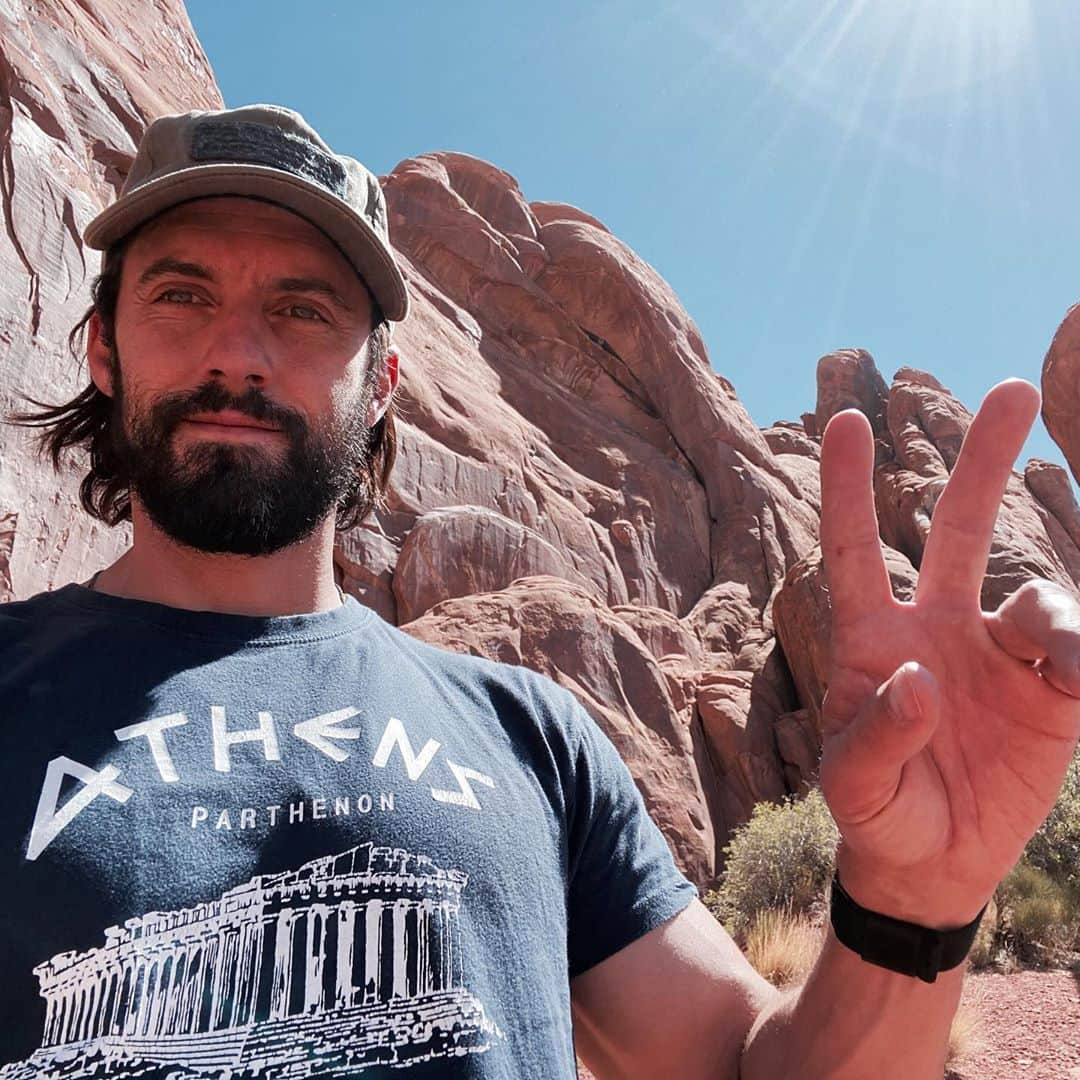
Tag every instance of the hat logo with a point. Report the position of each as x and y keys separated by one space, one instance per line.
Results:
x=234 y=141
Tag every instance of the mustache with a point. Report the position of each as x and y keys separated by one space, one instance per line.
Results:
x=172 y=409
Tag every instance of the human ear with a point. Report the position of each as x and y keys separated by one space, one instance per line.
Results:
x=99 y=352
x=386 y=380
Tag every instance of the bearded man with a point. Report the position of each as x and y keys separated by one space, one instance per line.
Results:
x=250 y=829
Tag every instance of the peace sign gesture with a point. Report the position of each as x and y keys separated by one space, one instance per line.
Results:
x=947 y=730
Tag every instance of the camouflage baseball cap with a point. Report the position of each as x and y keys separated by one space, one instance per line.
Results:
x=264 y=152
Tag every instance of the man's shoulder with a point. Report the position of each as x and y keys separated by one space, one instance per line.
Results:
x=20 y=615
x=47 y=627
x=28 y=606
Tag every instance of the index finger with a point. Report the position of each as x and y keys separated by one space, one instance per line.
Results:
x=854 y=564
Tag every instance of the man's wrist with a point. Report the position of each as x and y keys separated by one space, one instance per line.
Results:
x=911 y=896
x=897 y=945
x=852 y=1020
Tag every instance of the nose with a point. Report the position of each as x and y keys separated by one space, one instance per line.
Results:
x=239 y=352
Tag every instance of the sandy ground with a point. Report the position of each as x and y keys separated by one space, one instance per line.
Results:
x=1028 y=1026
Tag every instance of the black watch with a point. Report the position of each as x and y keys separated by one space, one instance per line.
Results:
x=897 y=945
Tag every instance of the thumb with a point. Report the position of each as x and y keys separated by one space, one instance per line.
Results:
x=861 y=765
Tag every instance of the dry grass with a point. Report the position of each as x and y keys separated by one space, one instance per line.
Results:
x=782 y=947
x=965 y=1039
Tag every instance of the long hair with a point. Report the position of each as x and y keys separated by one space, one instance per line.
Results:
x=84 y=422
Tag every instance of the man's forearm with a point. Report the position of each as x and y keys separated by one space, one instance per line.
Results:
x=852 y=1020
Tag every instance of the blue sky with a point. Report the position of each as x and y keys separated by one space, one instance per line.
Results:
x=808 y=174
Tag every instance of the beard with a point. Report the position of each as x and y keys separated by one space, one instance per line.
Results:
x=228 y=498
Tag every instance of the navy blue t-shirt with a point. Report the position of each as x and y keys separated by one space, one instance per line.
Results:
x=299 y=846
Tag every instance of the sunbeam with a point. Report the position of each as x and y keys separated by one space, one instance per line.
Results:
x=958 y=42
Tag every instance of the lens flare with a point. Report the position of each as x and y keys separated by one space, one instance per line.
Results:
x=885 y=48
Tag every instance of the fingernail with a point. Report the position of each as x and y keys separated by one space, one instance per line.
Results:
x=904 y=701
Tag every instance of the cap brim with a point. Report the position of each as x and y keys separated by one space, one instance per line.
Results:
x=368 y=252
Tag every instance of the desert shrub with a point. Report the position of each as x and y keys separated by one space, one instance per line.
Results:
x=986 y=948
x=1037 y=916
x=1055 y=847
x=783 y=857
x=782 y=947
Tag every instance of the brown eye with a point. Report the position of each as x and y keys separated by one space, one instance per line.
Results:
x=178 y=296
x=303 y=311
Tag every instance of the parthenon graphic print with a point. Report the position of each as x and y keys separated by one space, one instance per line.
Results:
x=350 y=961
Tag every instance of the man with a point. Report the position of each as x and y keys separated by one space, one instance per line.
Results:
x=250 y=829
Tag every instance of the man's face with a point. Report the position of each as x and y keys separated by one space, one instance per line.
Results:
x=239 y=375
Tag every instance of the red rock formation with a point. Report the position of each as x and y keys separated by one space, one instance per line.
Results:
x=849 y=379
x=1061 y=389
x=78 y=83
x=562 y=418
x=926 y=428
x=577 y=490
x=1036 y=532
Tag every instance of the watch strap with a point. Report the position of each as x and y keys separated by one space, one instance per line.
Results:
x=904 y=947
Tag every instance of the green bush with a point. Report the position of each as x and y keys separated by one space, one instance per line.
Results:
x=1055 y=847
x=1038 y=920
x=986 y=946
x=783 y=857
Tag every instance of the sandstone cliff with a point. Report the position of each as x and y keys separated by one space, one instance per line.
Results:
x=78 y=83
x=577 y=490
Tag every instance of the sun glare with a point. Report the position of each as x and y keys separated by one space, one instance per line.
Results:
x=935 y=45
x=925 y=83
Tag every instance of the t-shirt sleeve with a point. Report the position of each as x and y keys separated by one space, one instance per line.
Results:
x=622 y=881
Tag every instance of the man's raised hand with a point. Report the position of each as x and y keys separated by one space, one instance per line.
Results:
x=947 y=730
